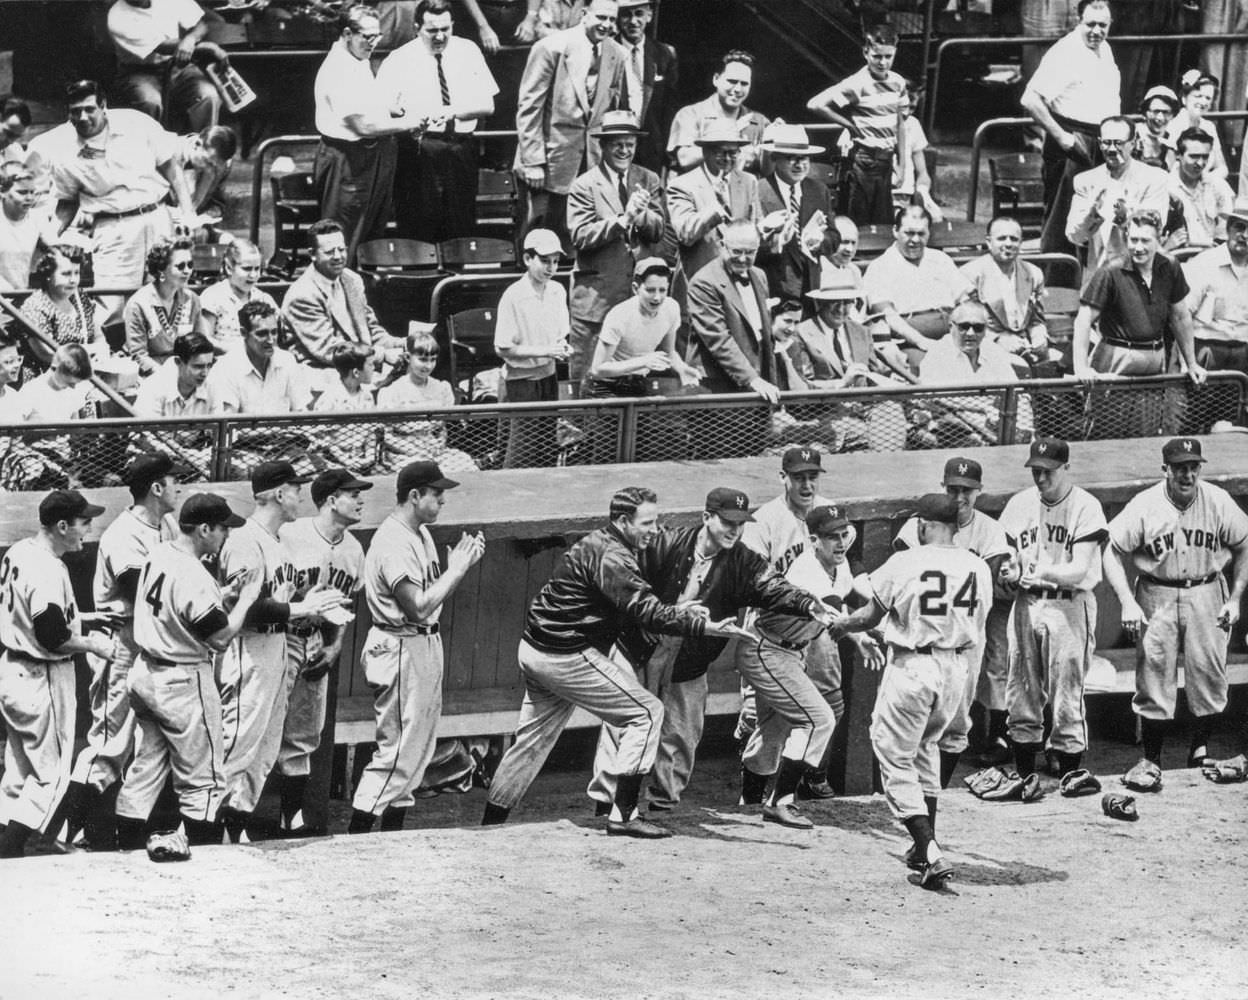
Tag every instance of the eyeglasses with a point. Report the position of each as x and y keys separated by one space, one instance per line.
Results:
x=976 y=327
x=371 y=37
x=1114 y=143
x=184 y=265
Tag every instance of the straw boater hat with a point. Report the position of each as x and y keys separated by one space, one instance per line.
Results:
x=1239 y=210
x=788 y=140
x=841 y=287
x=719 y=132
x=617 y=123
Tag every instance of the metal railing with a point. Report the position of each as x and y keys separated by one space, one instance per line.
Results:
x=988 y=42
x=1004 y=124
x=602 y=431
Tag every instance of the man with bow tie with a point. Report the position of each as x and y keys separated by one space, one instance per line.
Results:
x=325 y=306
x=702 y=201
x=615 y=214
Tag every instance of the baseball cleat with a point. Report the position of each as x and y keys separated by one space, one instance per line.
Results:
x=814 y=787
x=636 y=827
x=936 y=873
x=912 y=859
x=786 y=814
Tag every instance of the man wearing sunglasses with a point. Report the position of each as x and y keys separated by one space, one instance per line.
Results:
x=1105 y=197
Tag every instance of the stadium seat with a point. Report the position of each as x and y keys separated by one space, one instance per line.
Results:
x=470 y=335
x=400 y=275
x=476 y=253
x=1018 y=189
x=498 y=205
x=295 y=208
x=206 y=262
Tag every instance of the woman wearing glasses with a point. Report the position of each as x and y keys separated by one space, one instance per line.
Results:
x=161 y=311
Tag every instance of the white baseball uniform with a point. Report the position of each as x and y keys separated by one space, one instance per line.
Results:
x=173 y=690
x=36 y=684
x=1052 y=629
x=1180 y=555
x=402 y=664
x=251 y=674
x=987 y=677
x=316 y=560
x=936 y=598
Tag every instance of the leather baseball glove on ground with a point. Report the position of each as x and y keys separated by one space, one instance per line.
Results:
x=1145 y=776
x=1081 y=782
x=1227 y=772
x=168 y=845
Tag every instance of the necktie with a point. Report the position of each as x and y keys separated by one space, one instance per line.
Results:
x=742 y=279
x=591 y=78
x=623 y=190
x=445 y=88
x=794 y=204
x=637 y=92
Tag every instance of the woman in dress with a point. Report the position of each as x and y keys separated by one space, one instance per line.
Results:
x=164 y=309
x=58 y=310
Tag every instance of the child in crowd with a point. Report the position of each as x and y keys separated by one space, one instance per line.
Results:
x=910 y=176
x=353 y=445
x=418 y=390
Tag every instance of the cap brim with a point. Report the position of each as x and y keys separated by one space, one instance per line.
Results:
x=234 y=521
x=804 y=467
x=91 y=510
x=1042 y=463
x=734 y=516
x=963 y=481
x=1184 y=459
x=354 y=484
x=442 y=484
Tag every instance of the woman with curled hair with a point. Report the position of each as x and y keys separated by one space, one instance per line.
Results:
x=58 y=310
x=1199 y=92
x=220 y=302
x=164 y=309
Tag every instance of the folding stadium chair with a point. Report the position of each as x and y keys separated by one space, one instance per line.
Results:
x=1018 y=189
x=295 y=208
x=476 y=253
x=470 y=336
x=498 y=204
x=206 y=261
x=400 y=275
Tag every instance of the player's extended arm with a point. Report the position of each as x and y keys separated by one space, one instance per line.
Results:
x=1229 y=614
x=1133 y=619
x=418 y=603
x=234 y=621
x=53 y=633
x=866 y=617
x=1067 y=574
x=620 y=582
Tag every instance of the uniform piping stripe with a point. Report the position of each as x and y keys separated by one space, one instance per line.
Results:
x=635 y=700
x=810 y=722
x=398 y=694
x=217 y=779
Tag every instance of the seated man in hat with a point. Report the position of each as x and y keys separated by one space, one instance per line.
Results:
x=913 y=285
x=702 y=201
x=615 y=215
x=798 y=205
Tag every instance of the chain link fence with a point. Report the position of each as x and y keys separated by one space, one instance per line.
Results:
x=95 y=453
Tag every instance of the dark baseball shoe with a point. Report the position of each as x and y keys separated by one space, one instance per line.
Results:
x=912 y=859
x=814 y=787
x=935 y=873
x=637 y=827
x=786 y=814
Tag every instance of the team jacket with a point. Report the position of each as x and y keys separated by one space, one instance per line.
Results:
x=739 y=578
x=596 y=588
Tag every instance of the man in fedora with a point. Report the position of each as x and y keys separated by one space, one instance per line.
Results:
x=700 y=202
x=798 y=204
x=1218 y=297
x=652 y=77
x=615 y=216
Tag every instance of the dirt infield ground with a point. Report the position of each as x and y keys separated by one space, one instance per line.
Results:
x=1051 y=899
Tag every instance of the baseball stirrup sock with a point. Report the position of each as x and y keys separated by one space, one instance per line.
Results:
x=753 y=787
x=1153 y=734
x=131 y=833
x=1067 y=762
x=948 y=764
x=1202 y=726
x=627 y=792
x=361 y=822
x=392 y=819
x=930 y=802
x=1025 y=758
x=13 y=840
x=494 y=815
x=920 y=829
x=787 y=779
x=293 y=788
x=201 y=833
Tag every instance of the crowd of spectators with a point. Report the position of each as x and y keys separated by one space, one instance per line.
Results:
x=713 y=248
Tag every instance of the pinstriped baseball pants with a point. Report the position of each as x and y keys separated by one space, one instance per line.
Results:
x=555 y=684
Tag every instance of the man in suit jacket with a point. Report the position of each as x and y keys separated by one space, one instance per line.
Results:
x=1011 y=290
x=790 y=191
x=700 y=202
x=615 y=215
x=652 y=78
x=572 y=78
x=325 y=306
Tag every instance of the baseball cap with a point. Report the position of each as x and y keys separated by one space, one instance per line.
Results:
x=651 y=265
x=1178 y=450
x=208 y=508
x=963 y=472
x=542 y=242
x=271 y=475
x=417 y=474
x=825 y=520
x=731 y=505
x=152 y=468
x=332 y=480
x=65 y=505
x=801 y=460
x=938 y=507
x=1048 y=453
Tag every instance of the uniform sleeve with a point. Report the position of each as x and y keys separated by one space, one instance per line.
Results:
x=884 y=584
x=908 y=536
x=240 y=556
x=1126 y=531
x=995 y=542
x=196 y=597
x=1013 y=520
x=1233 y=519
x=1091 y=526
x=397 y=564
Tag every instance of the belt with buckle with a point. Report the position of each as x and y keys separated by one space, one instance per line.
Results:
x=1180 y=584
x=17 y=654
x=1052 y=593
x=129 y=213
x=302 y=631
x=416 y=628
x=348 y=145
x=878 y=155
x=930 y=648
x=1134 y=345
x=795 y=647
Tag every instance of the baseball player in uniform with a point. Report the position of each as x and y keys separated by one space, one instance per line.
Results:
x=831 y=538
x=406 y=587
x=322 y=550
x=980 y=534
x=40 y=631
x=252 y=671
x=180 y=622
x=933 y=600
x=702 y=563
x=1179 y=535
x=1056 y=530
x=793 y=723
x=124 y=548
x=572 y=624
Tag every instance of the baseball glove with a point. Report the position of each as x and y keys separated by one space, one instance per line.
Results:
x=995 y=784
x=1145 y=776
x=168 y=845
x=1115 y=805
x=1076 y=783
x=1227 y=772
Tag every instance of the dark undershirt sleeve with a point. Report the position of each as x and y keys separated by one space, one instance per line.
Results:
x=51 y=629
x=267 y=611
x=209 y=624
x=128 y=584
